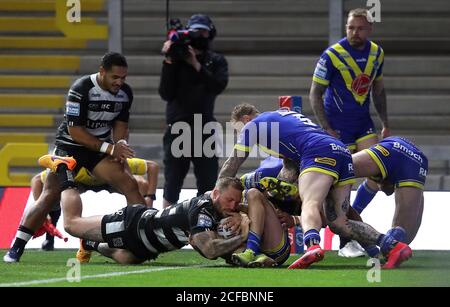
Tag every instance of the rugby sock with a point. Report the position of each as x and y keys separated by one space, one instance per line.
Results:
x=23 y=235
x=251 y=180
x=65 y=177
x=372 y=251
x=253 y=242
x=311 y=237
x=54 y=216
x=386 y=243
x=398 y=233
x=90 y=245
x=364 y=196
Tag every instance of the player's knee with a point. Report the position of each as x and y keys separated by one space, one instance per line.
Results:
x=338 y=227
x=153 y=167
x=254 y=195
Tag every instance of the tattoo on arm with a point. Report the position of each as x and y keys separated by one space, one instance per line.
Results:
x=289 y=172
x=316 y=98
x=211 y=247
x=232 y=164
x=379 y=101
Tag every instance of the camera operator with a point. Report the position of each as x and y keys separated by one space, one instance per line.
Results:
x=192 y=77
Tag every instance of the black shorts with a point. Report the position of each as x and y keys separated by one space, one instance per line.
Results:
x=85 y=157
x=120 y=230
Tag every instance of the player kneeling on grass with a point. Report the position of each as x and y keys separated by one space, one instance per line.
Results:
x=136 y=233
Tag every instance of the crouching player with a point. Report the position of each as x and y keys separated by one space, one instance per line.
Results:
x=397 y=165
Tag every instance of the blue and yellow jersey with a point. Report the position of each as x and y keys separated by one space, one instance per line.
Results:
x=137 y=167
x=280 y=133
x=400 y=162
x=288 y=134
x=349 y=74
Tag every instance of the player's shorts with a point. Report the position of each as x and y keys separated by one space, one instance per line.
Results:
x=329 y=156
x=353 y=132
x=120 y=230
x=282 y=252
x=84 y=157
x=400 y=162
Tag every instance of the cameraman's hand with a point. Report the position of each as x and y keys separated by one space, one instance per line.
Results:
x=165 y=50
x=192 y=59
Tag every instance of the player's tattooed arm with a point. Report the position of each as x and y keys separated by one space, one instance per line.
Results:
x=289 y=172
x=379 y=101
x=316 y=98
x=232 y=164
x=210 y=246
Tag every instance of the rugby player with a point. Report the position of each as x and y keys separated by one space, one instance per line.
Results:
x=326 y=175
x=397 y=165
x=94 y=131
x=345 y=77
x=136 y=233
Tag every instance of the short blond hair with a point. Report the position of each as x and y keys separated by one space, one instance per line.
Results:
x=361 y=12
x=241 y=110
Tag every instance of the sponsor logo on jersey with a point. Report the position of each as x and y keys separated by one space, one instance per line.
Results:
x=72 y=108
x=320 y=71
x=336 y=147
x=361 y=84
x=382 y=150
x=204 y=221
x=328 y=161
x=407 y=151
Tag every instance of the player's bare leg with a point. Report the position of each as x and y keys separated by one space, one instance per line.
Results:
x=258 y=213
x=121 y=256
x=408 y=211
x=82 y=227
x=118 y=175
x=313 y=188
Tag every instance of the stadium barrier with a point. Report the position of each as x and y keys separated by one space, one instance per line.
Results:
x=433 y=234
x=19 y=155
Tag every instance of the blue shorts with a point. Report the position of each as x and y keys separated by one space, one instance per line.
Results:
x=400 y=162
x=353 y=132
x=329 y=156
x=269 y=167
x=282 y=252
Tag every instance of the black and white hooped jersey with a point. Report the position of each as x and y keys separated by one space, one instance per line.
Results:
x=169 y=229
x=90 y=106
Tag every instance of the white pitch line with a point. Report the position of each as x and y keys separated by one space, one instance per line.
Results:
x=112 y=274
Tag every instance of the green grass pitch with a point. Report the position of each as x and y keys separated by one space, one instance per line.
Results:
x=185 y=268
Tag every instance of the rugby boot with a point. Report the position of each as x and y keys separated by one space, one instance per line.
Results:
x=244 y=258
x=262 y=261
x=83 y=255
x=52 y=162
x=400 y=253
x=313 y=254
x=11 y=257
x=279 y=189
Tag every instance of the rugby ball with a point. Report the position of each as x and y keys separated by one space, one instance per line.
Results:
x=224 y=231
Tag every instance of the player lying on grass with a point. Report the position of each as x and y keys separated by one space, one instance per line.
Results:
x=136 y=233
